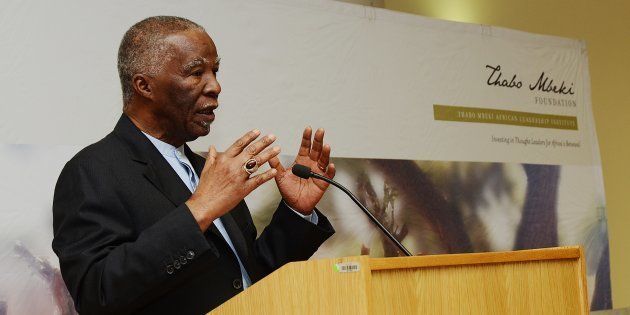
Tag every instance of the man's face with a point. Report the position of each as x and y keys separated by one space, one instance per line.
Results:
x=186 y=90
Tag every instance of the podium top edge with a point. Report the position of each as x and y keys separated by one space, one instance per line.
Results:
x=553 y=253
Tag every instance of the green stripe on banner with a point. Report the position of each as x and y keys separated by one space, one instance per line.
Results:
x=503 y=117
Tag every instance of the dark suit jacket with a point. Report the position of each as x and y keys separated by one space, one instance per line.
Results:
x=127 y=243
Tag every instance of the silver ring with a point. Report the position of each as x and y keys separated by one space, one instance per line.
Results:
x=251 y=166
x=322 y=168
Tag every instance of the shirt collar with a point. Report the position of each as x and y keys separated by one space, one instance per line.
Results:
x=165 y=149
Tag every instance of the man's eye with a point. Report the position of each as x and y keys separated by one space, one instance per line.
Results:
x=197 y=73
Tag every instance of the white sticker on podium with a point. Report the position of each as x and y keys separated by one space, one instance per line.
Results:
x=347 y=267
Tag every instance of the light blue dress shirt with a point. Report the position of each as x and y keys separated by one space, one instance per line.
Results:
x=176 y=157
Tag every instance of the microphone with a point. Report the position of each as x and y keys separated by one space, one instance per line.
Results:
x=305 y=172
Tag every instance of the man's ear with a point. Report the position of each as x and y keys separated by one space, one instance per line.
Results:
x=142 y=85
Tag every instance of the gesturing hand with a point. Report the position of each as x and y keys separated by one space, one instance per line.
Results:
x=303 y=194
x=223 y=182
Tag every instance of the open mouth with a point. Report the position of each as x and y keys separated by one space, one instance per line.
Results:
x=207 y=115
x=207 y=112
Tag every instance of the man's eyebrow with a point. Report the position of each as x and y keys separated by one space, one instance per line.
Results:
x=194 y=63
x=200 y=61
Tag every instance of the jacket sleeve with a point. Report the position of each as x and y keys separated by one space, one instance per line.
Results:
x=290 y=237
x=107 y=266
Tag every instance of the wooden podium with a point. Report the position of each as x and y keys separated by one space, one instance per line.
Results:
x=539 y=281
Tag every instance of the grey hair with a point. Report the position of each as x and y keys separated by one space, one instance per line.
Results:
x=142 y=48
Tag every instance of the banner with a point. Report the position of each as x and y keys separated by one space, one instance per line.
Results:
x=458 y=137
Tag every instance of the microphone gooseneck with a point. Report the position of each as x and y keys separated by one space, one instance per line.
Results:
x=305 y=172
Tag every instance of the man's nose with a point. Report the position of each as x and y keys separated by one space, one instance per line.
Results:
x=212 y=88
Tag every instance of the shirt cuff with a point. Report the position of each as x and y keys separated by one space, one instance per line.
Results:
x=313 y=218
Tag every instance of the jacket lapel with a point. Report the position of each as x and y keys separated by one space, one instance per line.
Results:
x=164 y=178
x=157 y=170
x=236 y=236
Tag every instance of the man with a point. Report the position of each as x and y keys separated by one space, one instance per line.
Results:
x=144 y=225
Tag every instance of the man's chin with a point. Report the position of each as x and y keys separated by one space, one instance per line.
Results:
x=199 y=130
x=205 y=130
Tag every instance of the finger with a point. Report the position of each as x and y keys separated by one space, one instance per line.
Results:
x=212 y=157
x=237 y=147
x=260 y=179
x=266 y=155
x=330 y=172
x=318 y=144
x=259 y=145
x=324 y=158
x=305 y=146
x=274 y=162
